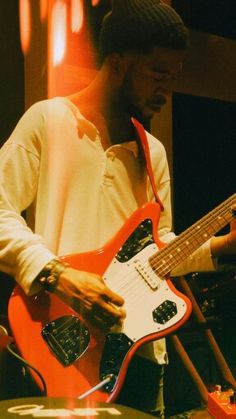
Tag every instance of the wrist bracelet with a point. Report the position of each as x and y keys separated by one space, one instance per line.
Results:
x=49 y=276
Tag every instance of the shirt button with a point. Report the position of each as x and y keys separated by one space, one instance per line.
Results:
x=109 y=176
x=111 y=155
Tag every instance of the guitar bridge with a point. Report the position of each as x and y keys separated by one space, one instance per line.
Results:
x=147 y=274
x=67 y=337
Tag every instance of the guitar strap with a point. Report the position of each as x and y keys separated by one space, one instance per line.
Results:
x=144 y=142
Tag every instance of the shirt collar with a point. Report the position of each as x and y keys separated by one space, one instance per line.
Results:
x=86 y=127
x=131 y=146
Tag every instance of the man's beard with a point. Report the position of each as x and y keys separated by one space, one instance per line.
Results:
x=128 y=102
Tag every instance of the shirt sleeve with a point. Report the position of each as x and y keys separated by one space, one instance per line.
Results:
x=22 y=253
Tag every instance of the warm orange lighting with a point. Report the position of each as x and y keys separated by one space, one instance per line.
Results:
x=95 y=2
x=43 y=10
x=77 y=15
x=25 y=25
x=58 y=32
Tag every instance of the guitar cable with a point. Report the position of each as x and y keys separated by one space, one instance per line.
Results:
x=26 y=364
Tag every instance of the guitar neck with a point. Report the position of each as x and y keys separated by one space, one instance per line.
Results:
x=164 y=261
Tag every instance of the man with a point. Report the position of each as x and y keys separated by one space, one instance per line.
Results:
x=76 y=164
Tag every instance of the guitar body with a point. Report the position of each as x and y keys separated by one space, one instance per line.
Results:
x=45 y=328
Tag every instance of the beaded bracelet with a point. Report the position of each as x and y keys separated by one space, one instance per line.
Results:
x=49 y=276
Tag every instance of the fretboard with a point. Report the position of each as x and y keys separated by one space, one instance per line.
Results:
x=191 y=239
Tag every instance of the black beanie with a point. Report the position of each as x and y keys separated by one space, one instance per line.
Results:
x=132 y=24
x=147 y=13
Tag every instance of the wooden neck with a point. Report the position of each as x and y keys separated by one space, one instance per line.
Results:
x=164 y=261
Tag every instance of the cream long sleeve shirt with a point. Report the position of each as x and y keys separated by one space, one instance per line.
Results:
x=77 y=195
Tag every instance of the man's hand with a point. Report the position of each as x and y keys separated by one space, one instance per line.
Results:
x=225 y=245
x=89 y=295
x=231 y=237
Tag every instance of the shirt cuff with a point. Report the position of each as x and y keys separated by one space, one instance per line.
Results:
x=31 y=263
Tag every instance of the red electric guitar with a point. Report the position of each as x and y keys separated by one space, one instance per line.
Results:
x=74 y=357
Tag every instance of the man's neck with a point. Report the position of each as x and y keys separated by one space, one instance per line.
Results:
x=99 y=104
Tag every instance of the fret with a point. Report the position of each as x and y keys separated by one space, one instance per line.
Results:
x=191 y=239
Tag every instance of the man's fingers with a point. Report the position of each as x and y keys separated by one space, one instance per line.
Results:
x=109 y=311
x=102 y=318
x=114 y=298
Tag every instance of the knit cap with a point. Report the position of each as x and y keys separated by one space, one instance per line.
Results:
x=133 y=22
x=148 y=14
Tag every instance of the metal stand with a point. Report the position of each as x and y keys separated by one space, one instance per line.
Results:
x=221 y=362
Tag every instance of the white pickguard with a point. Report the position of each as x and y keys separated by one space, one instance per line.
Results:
x=140 y=298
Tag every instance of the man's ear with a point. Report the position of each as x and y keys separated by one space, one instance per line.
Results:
x=118 y=64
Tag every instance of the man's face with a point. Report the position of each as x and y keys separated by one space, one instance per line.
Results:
x=149 y=80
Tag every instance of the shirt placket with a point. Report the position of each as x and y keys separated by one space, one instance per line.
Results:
x=108 y=175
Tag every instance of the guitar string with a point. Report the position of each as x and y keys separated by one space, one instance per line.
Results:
x=164 y=270
x=188 y=231
x=163 y=267
x=133 y=289
x=137 y=299
x=125 y=285
x=196 y=242
x=134 y=295
x=174 y=248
